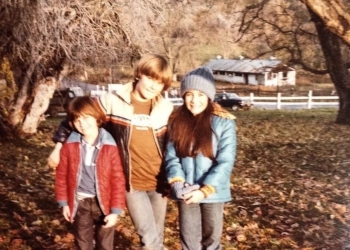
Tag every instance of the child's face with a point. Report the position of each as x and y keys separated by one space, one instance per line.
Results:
x=86 y=124
x=147 y=88
x=196 y=101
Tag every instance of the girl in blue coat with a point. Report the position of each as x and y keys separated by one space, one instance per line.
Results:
x=199 y=161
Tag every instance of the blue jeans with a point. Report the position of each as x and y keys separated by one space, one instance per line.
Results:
x=147 y=210
x=201 y=225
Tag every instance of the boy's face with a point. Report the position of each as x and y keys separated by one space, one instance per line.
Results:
x=147 y=88
x=86 y=124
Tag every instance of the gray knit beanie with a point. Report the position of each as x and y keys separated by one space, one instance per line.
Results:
x=199 y=79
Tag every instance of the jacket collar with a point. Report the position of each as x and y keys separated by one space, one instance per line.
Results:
x=103 y=138
x=221 y=112
x=125 y=93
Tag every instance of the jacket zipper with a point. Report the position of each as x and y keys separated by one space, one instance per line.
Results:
x=75 y=207
x=96 y=156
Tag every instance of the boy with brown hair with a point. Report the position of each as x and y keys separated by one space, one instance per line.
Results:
x=90 y=184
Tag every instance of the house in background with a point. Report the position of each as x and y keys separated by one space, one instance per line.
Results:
x=269 y=72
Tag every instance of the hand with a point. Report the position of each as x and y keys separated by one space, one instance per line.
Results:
x=180 y=189
x=189 y=188
x=54 y=157
x=66 y=213
x=194 y=197
x=110 y=220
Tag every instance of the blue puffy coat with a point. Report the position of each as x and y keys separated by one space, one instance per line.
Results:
x=202 y=170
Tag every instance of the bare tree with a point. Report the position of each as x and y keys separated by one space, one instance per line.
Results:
x=39 y=38
x=289 y=32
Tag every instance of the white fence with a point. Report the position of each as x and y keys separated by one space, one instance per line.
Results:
x=101 y=91
x=279 y=101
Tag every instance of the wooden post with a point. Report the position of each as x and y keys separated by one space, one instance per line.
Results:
x=251 y=98
x=278 y=100
x=309 y=100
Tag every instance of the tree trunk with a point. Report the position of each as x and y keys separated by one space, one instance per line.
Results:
x=40 y=104
x=16 y=110
x=334 y=16
x=331 y=47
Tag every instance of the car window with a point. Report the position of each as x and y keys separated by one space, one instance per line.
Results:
x=232 y=95
x=226 y=96
x=176 y=101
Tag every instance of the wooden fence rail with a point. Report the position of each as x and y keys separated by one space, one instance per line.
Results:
x=309 y=101
x=277 y=102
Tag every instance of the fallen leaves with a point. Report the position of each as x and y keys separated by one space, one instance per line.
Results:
x=290 y=189
x=292 y=178
x=68 y=238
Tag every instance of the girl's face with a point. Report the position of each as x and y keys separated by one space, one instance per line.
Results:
x=86 y=125
x=147 y=88
x=196 y=101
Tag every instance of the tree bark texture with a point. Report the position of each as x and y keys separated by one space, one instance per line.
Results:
x=331 y=47
x=16 y=113
x=333 y=15
x=43 y=93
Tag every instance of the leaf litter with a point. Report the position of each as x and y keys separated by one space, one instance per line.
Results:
x=290 y=188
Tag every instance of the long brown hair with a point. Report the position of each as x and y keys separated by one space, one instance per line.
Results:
x=191 y=134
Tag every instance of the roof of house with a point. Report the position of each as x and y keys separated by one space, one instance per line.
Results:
x=242 y=65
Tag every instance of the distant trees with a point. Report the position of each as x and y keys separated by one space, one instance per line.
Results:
x=41 y=40
x=188 y=33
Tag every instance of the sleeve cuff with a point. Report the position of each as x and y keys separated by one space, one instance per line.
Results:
x=62 y=203
x=175 y=179
x=207 y=190
x=116 y=211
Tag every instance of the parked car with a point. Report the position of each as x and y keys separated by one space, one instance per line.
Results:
x=229 y=100
x=61 y=98
x=176 y=101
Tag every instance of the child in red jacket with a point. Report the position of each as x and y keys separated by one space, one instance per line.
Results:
x=90 y=183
